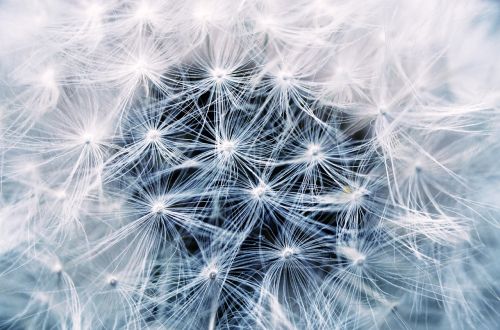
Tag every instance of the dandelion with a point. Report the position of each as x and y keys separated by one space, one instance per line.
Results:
x=216 y=164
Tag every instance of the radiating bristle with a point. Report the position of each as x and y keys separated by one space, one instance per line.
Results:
x=249 y=164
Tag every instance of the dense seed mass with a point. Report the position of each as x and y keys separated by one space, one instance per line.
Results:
x=236 y=164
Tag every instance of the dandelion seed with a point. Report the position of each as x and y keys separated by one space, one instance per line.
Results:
x=259 y=191
x=57 y=268
x=94 y=11
x=47 y=78
x=144 y=11
x=212 y=275
x=158 y=207
x=152 y=136
x=210 y=272
x=219 y=75
x=88 y=138
x=313 y=152
x=356 y=257
x=288 y=252
x=226 y=147
x=140 y=67
x=284 y=78
x=112 y=281
x=203 y=12
x=249 y=164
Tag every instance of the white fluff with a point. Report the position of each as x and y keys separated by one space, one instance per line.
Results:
x=249 y=164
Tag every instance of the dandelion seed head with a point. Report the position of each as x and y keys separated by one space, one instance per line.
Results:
x=258 y=191
x=417 y=167
x=226 y=147
x=355 y=195
x=88 y=138
x=352 y=254
x=382 y=110
x=288 y=252
x=314 y=153
x=153 y=135
x=265 y=23
x=47 y=78
x=341 y=74
x=284 y=78
x=57 y=268
x=94 y=10
x=112 y=281
x=219 y=75
x=217 y=164
x=210 y=272
x=204 y=12
x=144 y=11
x=140 y=67
x=158 y=207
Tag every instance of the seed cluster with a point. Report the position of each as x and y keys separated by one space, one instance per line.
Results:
x=221 y=164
